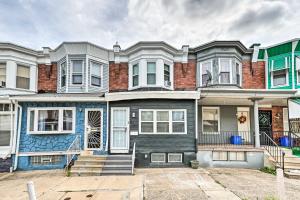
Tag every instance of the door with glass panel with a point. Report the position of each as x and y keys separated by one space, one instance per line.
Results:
x=119 y=130
x=93 y=129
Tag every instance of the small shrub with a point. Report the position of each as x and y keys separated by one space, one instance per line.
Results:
x=268 y=170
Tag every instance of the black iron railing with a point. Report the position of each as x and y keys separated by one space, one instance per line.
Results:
x=272 y=147
x=226 y=138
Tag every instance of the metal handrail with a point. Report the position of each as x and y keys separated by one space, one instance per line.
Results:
x=273 y=149
x=133 y=159
x=73 y=149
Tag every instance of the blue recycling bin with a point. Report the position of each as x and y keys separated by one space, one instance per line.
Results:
x=236 y=139
x=285 y=141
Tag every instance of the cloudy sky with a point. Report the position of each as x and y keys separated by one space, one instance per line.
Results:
x=38 y=23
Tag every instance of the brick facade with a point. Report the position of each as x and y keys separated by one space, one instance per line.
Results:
x=47 y=78
x=253 y=75
x=118 y=77
x=185 y=75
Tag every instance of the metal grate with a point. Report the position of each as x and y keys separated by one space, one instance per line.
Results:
x=45 y=160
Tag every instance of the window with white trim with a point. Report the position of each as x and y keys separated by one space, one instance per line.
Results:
x=225 y=70
x=206 y=72
x=135 y=75
x=167 y=75
x=23 y=77
x=162 y=121
x=96 y=74
x=280 y=77
x=151 y=73
x=77 y=71
x=45 y=160
x=238 y=73
x=210 y=119
x=2 y=75
x=51 y=120
x=297 y=61
x=174 y=157
x=158 y=157
x=63 y=74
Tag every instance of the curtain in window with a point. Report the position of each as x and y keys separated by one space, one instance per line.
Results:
x=119 y=118
x=77 y=71
x=23 y=77
x=63 y=74
x=279 y=77
x=210 y=120
x=96 y=74
x=135 y=75
x=225 y=70
x=162 y=121
x=67 y=120
x=5 y=126
x=2 y=73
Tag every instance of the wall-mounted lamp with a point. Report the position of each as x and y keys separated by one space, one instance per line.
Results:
x=133 y=114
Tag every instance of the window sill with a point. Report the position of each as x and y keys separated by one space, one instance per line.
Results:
x=150 y=86
x=52 y=133
x=163 y=133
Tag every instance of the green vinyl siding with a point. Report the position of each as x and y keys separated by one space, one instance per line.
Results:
x=261 y=54
x=297 y=49
x=280 y=49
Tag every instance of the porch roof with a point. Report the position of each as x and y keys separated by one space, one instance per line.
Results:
x=118 y=96
x=221 y=96
x=59 y=97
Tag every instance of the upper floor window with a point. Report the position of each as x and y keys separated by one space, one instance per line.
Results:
x=151 y=73
x=167 y=75
x=2 y=74
x=96 y=74
x=23 y=77
x=280 y=77
x=206 y=72
x=63 y=71
x=225 y=70
x=77 y=71
x=297 y=61
x=238 y=73
x=135 y=75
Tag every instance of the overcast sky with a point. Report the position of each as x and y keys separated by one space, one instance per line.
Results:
x=38 y=23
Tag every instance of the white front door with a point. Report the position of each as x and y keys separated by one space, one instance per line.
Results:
x=244 y=126
x=119 y=130
x=93 y=129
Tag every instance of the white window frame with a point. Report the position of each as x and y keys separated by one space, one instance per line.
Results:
x=155 y=84
x=138 y=75
x=22 y=65
x=158 y=154
x=169 y=154
x=82 y=73
x=5 y=75
x=155 y=121
x=297 y=68
x=286 y=82
x=101 y=73
x=219 y=117
x=211 y=68
x=60 y=120
x=240 y=74
x=65 y=63
x=230 y=70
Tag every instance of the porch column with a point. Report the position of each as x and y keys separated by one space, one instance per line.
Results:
x=256 y=122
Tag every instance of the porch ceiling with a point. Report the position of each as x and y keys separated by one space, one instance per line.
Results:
x=265 y=102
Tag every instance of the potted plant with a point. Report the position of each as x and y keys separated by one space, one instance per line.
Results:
x=194 y=164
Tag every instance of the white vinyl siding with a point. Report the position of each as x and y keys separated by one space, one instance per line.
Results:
x=162 y=121
x=51 y=120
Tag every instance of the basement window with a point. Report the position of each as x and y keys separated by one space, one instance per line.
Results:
x=220 y=156
x=174 y=157
x=45 y=160
x=237 y=156
x=158 y=157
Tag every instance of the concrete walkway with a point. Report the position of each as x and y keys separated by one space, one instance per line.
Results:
x=182 y=183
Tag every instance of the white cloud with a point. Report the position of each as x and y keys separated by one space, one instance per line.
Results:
x=48 y=23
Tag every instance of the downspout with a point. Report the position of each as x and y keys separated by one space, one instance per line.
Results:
x=107 y=125
x=196 y=124
x=18 y=136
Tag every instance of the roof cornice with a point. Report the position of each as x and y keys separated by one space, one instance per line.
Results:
x=19 y=48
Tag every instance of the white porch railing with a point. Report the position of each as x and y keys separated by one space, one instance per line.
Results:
x=133 y=159
x=73 y=150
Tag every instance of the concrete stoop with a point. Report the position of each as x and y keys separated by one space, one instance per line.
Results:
x=99 y=165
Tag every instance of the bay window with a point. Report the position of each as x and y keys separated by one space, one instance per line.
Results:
x=63 y=72
x=135 y=75
x=162 y=121
x=167 y=75
x=51 y=120
x=96 y=74
x=225 y=70
x=210 y=119
x=23 y=77
x=77 y=71
x=206 y=71
x=151 y=73
x=2 y=74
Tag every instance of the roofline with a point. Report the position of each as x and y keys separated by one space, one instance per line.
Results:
x=31 y=98
x=150 y=44
x=214 y=43
x=79 y=42
x=20 y=48
x=274 y=45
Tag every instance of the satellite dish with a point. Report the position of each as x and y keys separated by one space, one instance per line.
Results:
x=209 y=77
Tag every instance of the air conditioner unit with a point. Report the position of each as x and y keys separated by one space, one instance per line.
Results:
x=167 y=83
x=3 y=84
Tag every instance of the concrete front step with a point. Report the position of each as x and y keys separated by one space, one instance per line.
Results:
x=294 y=174
x=85 y=173
x=91 y=157
x=116 y=172
x=291 y=167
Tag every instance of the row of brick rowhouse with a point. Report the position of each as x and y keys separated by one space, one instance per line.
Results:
x=173 y=104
